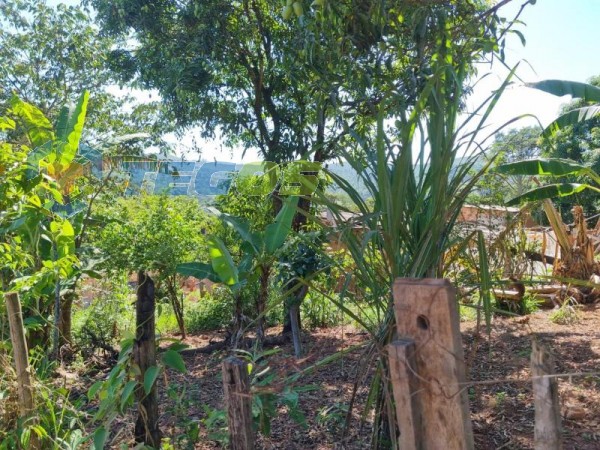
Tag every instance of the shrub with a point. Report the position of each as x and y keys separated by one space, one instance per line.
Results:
x=318 y=311
x=100 y=325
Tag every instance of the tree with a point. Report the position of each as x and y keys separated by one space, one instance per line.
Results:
x=49 y=55
x=579 y=142
x=513 y=145
x=155 y=233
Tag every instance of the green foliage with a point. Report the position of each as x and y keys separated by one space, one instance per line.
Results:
x=60 y=420
x=110 y=315
x=318 y=311
x=153 y=233
x=156 y=233
x=567 y=313
x=49 y=54
x=494 y=188
x=211 y=312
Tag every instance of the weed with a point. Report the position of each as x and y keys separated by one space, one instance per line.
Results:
x=567 y=314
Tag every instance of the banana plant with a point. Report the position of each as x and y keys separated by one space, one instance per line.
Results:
x=51 y=164
x=260 y=251
x=556 y=167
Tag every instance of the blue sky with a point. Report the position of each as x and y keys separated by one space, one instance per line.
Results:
x=562 y=41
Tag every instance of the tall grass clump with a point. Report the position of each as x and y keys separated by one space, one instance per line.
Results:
x=418 y=173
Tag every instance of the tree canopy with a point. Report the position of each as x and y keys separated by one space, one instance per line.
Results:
x=49 y=55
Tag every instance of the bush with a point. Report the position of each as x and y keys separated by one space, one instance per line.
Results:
x=318 y=311
x=109 y=315
x=211 y=312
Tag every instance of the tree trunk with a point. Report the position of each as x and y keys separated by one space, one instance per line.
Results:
x=294 y=313
x=66 y=318
x=238 y=325
x=261 y=304
x=21 y=358
x=177 y=304
x=295 y=318
x=144 y=352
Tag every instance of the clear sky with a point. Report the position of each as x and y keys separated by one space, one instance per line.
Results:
x=562 y=41
x=562 y=38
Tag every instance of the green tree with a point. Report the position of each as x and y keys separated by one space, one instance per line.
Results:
x=510 y=146
x=155 y=233
x=51 y=54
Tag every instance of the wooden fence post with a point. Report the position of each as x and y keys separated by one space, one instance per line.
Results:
x=238 y=402
x=428 y=369
x=405 y=387
x=547 y=430
x=144 y=352
x=21 y=357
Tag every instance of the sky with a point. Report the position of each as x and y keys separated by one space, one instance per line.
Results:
x=562 y=38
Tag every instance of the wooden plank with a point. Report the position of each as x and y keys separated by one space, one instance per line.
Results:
x=548 y=435
x=427 y=312
x=238 y=402
x=404 y=380
x=144 y=353
x=21 y=358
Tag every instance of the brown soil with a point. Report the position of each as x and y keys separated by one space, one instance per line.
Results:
x=502 y=412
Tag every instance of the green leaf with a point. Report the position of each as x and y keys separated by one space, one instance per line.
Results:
x=242 y=228
x=550 y=191
x=127 y=391
x=222 y=262
x=173 y=359
x=100 y=436
x=149 y=378
x=69 y=128
x=39 y=128
x=94 y=389
x=541 y=166
x=571 y=118
x=197 y=270
x=6 y=123
x=486 y=282
x=277 y=232
x=585 y=91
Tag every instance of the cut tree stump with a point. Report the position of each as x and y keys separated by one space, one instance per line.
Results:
x=548 y=435
x=21 y=358
x=427 y=313
x=238 y=402
x=144 y=353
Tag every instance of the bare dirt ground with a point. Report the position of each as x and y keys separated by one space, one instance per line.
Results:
x=502 y=412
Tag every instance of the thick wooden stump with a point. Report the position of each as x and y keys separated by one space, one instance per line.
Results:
x=238 y=402
x=428 y=370
x=547 y=431
x=144 y=353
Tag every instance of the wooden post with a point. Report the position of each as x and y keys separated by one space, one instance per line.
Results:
x=405 y=386
x=238 y=401
x=547 y=430
x=144 y=351
x=21 y=357
x=426 y=312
